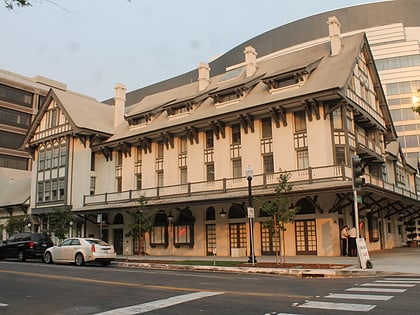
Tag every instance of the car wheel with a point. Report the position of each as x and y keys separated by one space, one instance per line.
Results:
x=48 y=258
x=21 y=256
x=79 y=260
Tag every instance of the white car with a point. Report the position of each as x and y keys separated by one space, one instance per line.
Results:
x=80 y=251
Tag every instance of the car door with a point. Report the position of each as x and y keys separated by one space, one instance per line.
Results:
x=71 y=249
x=60 y=251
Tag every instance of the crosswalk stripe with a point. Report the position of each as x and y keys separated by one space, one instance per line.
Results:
x=377 y=290
x=154 y=305
x=403 y=279
x=360 y=296
x=399 y=281
x=338 y=306
x=2 y=304
x=402 y=285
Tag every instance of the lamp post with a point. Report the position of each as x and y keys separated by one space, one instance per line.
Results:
x=249 y=173
x=170 y=219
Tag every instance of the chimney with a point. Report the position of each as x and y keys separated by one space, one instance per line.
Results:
x=119 y=100
x=334 y=34
x=250 y=60
x=203 y=76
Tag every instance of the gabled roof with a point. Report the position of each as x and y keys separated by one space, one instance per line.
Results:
x=85 y=114
x=328 y=75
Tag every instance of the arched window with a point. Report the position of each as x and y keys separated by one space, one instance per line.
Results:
x=305 y=207
x=159 y=232
x=184 y=229
x=237 y=211
x=210 y=214
x=118 y=219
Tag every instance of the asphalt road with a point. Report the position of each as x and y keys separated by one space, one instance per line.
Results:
x=37 y=288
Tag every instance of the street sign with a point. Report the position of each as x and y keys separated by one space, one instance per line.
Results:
x=251 y=213
x=359 y=199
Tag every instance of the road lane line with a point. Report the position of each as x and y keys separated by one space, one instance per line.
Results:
x=360 y=296
x=150 y=286
x=155 y=305
x=338 y=306
x=2 y=304
x=377 y=290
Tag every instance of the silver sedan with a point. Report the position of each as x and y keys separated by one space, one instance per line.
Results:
x=80 y=251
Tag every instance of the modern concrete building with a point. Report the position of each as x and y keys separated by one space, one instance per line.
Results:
x=20 y=99
x=186 y=148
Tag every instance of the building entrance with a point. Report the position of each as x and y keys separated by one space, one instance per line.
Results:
x=305 y=233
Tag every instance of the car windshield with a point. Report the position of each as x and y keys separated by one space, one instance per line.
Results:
x=97 y=242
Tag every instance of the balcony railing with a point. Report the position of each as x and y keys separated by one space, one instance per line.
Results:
x=230 y=185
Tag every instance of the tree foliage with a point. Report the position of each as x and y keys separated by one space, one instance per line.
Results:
x=279 y=211
x=140 y=222
x=410 y=227
x=60 y=222
x=15 y=224
x=11 y=4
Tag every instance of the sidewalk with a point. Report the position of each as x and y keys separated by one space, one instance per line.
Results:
x=397 y=261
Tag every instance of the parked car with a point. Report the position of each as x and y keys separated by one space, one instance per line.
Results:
x=80 y=251
x=25 y=245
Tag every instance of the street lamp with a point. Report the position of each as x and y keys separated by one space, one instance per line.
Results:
x=249 y=173
x=170 y=219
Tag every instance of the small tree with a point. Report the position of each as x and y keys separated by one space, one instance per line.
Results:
x=140 y=223
x=410 y=227
x=15 y=224
x=280 y=213
x=60 y=221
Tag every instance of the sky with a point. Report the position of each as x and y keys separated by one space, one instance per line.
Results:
x=90 y=45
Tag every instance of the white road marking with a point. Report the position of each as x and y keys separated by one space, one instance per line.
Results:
x=338 y=306
x=360 y=296
x=377 y=290
x=402 y=285
x=2 y=304
x=403 y=279
x=399 y=281
x=155 y=305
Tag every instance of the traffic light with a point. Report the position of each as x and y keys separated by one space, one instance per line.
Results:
x=358 y=172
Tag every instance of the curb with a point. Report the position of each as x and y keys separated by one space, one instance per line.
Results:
x=302 y=273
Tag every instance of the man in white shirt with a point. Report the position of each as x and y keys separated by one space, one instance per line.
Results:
x=352 y=242
x=344 y=240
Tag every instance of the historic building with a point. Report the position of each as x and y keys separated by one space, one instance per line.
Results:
x=186 y=149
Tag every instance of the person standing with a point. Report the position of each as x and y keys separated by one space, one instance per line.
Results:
x=344 y=240
x=352 y=242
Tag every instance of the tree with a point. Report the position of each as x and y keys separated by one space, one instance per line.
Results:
x=15 y=224
x=10 y=4
x=280 y=212
x=60 y=221
x=410 y=227
x=140 y=223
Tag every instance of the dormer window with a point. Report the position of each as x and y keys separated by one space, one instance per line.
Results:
x=284 y=82
x=289 y=79
x=179 y=109
x=140 y=120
